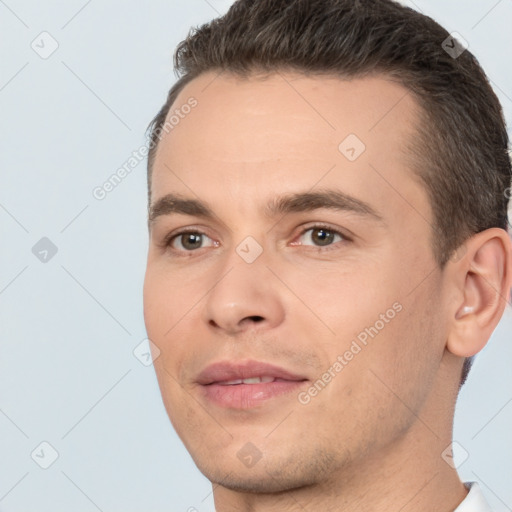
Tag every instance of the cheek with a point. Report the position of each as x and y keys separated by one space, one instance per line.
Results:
x=402 y=360
x=162 y=310
x=369 y=313
x=346 y=300
x=154 y=307
x=166 y=300
x=172 y=304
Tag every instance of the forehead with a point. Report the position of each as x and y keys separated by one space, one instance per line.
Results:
x=247 y=138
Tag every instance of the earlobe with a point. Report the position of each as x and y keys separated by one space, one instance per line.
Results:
x=483 y=277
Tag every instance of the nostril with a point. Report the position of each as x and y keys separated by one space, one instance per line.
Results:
x=256 y=318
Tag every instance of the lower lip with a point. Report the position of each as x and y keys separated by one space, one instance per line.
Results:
x=246 y=396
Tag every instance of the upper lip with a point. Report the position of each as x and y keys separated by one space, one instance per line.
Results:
x=225 y=371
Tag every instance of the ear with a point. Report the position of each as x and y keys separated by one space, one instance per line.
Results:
x=482 y=278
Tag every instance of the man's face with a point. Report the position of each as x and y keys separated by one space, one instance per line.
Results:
x=334 y=303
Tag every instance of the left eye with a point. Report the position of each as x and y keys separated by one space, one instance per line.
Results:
x=320 y=236
x=189 y=241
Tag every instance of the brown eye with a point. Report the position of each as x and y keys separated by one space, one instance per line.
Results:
x=188 y=241
x=320 y=236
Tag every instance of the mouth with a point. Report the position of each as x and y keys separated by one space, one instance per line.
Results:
x=246 y=385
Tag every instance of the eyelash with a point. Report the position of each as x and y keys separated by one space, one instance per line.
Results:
x=168 y=240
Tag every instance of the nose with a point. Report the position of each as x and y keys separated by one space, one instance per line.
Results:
x=247 y=296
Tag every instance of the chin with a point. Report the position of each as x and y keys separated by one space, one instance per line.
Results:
x=257 y=482
x=272 y=474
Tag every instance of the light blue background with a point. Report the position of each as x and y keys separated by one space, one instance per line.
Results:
x=68 y=375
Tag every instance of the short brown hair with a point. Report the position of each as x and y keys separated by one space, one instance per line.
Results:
x=461 y=152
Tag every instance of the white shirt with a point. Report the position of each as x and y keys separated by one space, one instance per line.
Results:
x=474 y=501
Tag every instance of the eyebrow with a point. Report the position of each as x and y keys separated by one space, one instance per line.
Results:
x=280 y=206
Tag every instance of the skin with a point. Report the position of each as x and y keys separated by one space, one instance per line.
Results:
x=372 y=438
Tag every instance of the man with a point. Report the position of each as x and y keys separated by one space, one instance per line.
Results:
x=328 y=249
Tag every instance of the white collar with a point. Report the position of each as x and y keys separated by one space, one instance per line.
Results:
x=474 y=501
